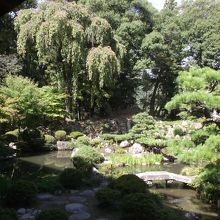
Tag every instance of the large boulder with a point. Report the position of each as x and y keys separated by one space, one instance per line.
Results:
x=124 y=144
x=136 y=149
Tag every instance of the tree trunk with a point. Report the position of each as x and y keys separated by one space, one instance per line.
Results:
x=153 y=98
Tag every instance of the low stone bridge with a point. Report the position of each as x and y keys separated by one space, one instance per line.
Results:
x=164 y=175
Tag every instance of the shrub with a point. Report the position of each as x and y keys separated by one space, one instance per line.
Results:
x=8 y=214
x=52 y=214
x=11 y=136
x=117 y=137
x=199 y=136
x=140 y=206
x=213 y=142
x=49 y=184
x=190 y=171
x=148 y=142
x=89 y=155
x=84 y=140
x=4 y=186
x=70 y=178
x=49 y=139
x=76 y=134
x=33 y=138
x=60 y=135
x=129 y=183
x=108 y=197
x=178 y=131
x=21 y=193
x=208 y=183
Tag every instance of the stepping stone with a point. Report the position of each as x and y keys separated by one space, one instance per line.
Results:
x=88 y=193
x=76 y=208
x=78 y=199
x=45 y=197
x=80 y=216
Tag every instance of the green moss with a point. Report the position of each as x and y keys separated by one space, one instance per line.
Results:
x=60 y=135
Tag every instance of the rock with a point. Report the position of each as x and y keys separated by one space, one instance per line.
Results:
x=197 y=125
x=170 y=132
x=80 y=216
x=76 y=208
x=109 y=150
x=27 y=216
x=101 y=219
x=45 y=197
x=136 y=149
x=13 y=146
x=124 y=144
x=74 y=152
x=77 y=199
x=190 y=216
x=21 y=211
x=88 y=193
x=63 y=145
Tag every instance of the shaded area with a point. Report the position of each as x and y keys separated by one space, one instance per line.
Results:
x=8 y=5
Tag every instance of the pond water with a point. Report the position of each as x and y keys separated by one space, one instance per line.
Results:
x=176 y=196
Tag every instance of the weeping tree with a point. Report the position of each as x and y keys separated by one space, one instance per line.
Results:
x=58 y=37
x=103 y=66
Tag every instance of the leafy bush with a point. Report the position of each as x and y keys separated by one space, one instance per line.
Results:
x=107 y=197
x=199 y=136
x=190 y=171
x=208 y=183
x=48 y=184
x=52 y=214
x=60 y=135
x=8 y=214
x=129 y=183
x=213 y=142
x=117 y=137
x=178 y=131
x=4 y=186
x=89 y=155
x=33 y=138
x=11 y=136
x=49 y=139
x=84 y=140
x=21 y=193
x=148 y=142
x=76 y=134
x=70 y=178
x=141 y=206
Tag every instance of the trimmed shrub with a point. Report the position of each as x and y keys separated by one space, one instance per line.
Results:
x=8 y=214
x=76 y=134
x=21 y=193
x=70 y=178
x=60 y=135
x=84 y=140
x=213 y=142
x=49 y=139
x=52 y=214
x=11 y=136
x=140 y=206
x=108 y=197
x=117 y=137
x=89 y=155
x=129 y=183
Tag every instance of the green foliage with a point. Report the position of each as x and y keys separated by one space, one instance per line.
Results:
x=107 y=197
x=84 y=140
x=129 y=183
x=199 y=136
x=213 y=142
x=142 y=122
x=4 y=186
x=117 y=137
x=70 y=178
x=87 y=154
x=60 y=135
x=33 y=138
x=141 y=206
x=190 y=171
x=76 y=134
x=150 y=143
x=21 y=193
x=52 y=214
x=198 y=88
x=179 y=131
x=208 y=183
x=49 y=139
x=8 y=214
x=48 y=184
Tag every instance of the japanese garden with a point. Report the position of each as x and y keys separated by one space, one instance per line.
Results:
x=110 y=110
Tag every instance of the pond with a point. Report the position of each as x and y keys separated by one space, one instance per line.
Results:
x=176 y=196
